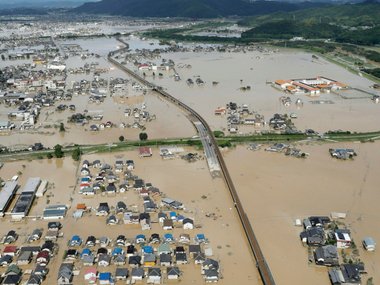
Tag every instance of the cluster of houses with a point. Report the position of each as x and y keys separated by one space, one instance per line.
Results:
x=87 y=68
x=107 y=177
x=310 y=86
x=239 y=115
x=286 y=149
x=166 y=65
x=30 y=87
x=136 y=116
x=169 y=152
x=153 y=259
x=27 y=90
x=25 y=48
x=72 y=50
x=326 y=242
x=342 y=153
x=164 y=210
x=281 y=122
x=118 y=86
x=14 y=257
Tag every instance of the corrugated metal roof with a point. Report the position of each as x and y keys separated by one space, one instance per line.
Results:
x=31 y=185
x=6 y=194
x=49 y=213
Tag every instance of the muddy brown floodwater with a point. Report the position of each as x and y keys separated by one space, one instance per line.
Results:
x=177 y=179
x=276 y=190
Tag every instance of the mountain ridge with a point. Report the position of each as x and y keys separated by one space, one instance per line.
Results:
x=189 y=8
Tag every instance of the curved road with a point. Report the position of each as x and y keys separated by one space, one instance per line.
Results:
x=212 y=150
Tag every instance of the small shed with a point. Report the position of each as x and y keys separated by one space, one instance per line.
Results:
x=369 y=244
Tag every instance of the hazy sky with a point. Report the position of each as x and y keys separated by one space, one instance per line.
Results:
x=10 y=2
x=36 y=2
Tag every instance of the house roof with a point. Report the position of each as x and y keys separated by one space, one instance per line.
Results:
x=369 y=241
x=326 y=252
x=104 y=257
x=105 y=276
x=210 y=273
x=66 y=270
x=40 y=269
x=88 y=259
x=117 y=250
x=173 y=271
x=211 y=263
x=121 y=205
x=135 y=259
x=11 y=279
x=120 y=258
x=165 y=257
x=138 y=272
x=90 y=270
x=86 y=251
x=48 y=245
x=6 y=259
x=75 y=238
x=168 y=236
x=37 y=232
x=34 y=279
x=145 y=151
x=149 y=257
x=147 y=249
x=13 y=269
x=154 y=271
x=72 y=252
x=54 y=225
x=181 y=256
x=10 y=249
x=43 y=254
x=164 y=247
x=121 y=271
x=199 y=257
x=281 y=81
x=194 y=248
x=111 y=219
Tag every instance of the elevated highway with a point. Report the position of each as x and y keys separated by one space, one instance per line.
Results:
x=215 y=162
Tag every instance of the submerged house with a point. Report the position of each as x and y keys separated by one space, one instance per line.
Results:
x=346 y=274
x=121 y=273
x=154 y=275
x=65 y=274
x=326 y=255
x=90 y=275
x=313 y=236
x=173 y=273
x=137 y=274
x=12 y=275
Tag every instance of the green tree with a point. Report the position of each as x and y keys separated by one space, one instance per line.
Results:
x=143 y=136
x=218 y=134
x=58 y=152
x=76 y=154
x=121 y=138
x=62 y=127
x=3 y=57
